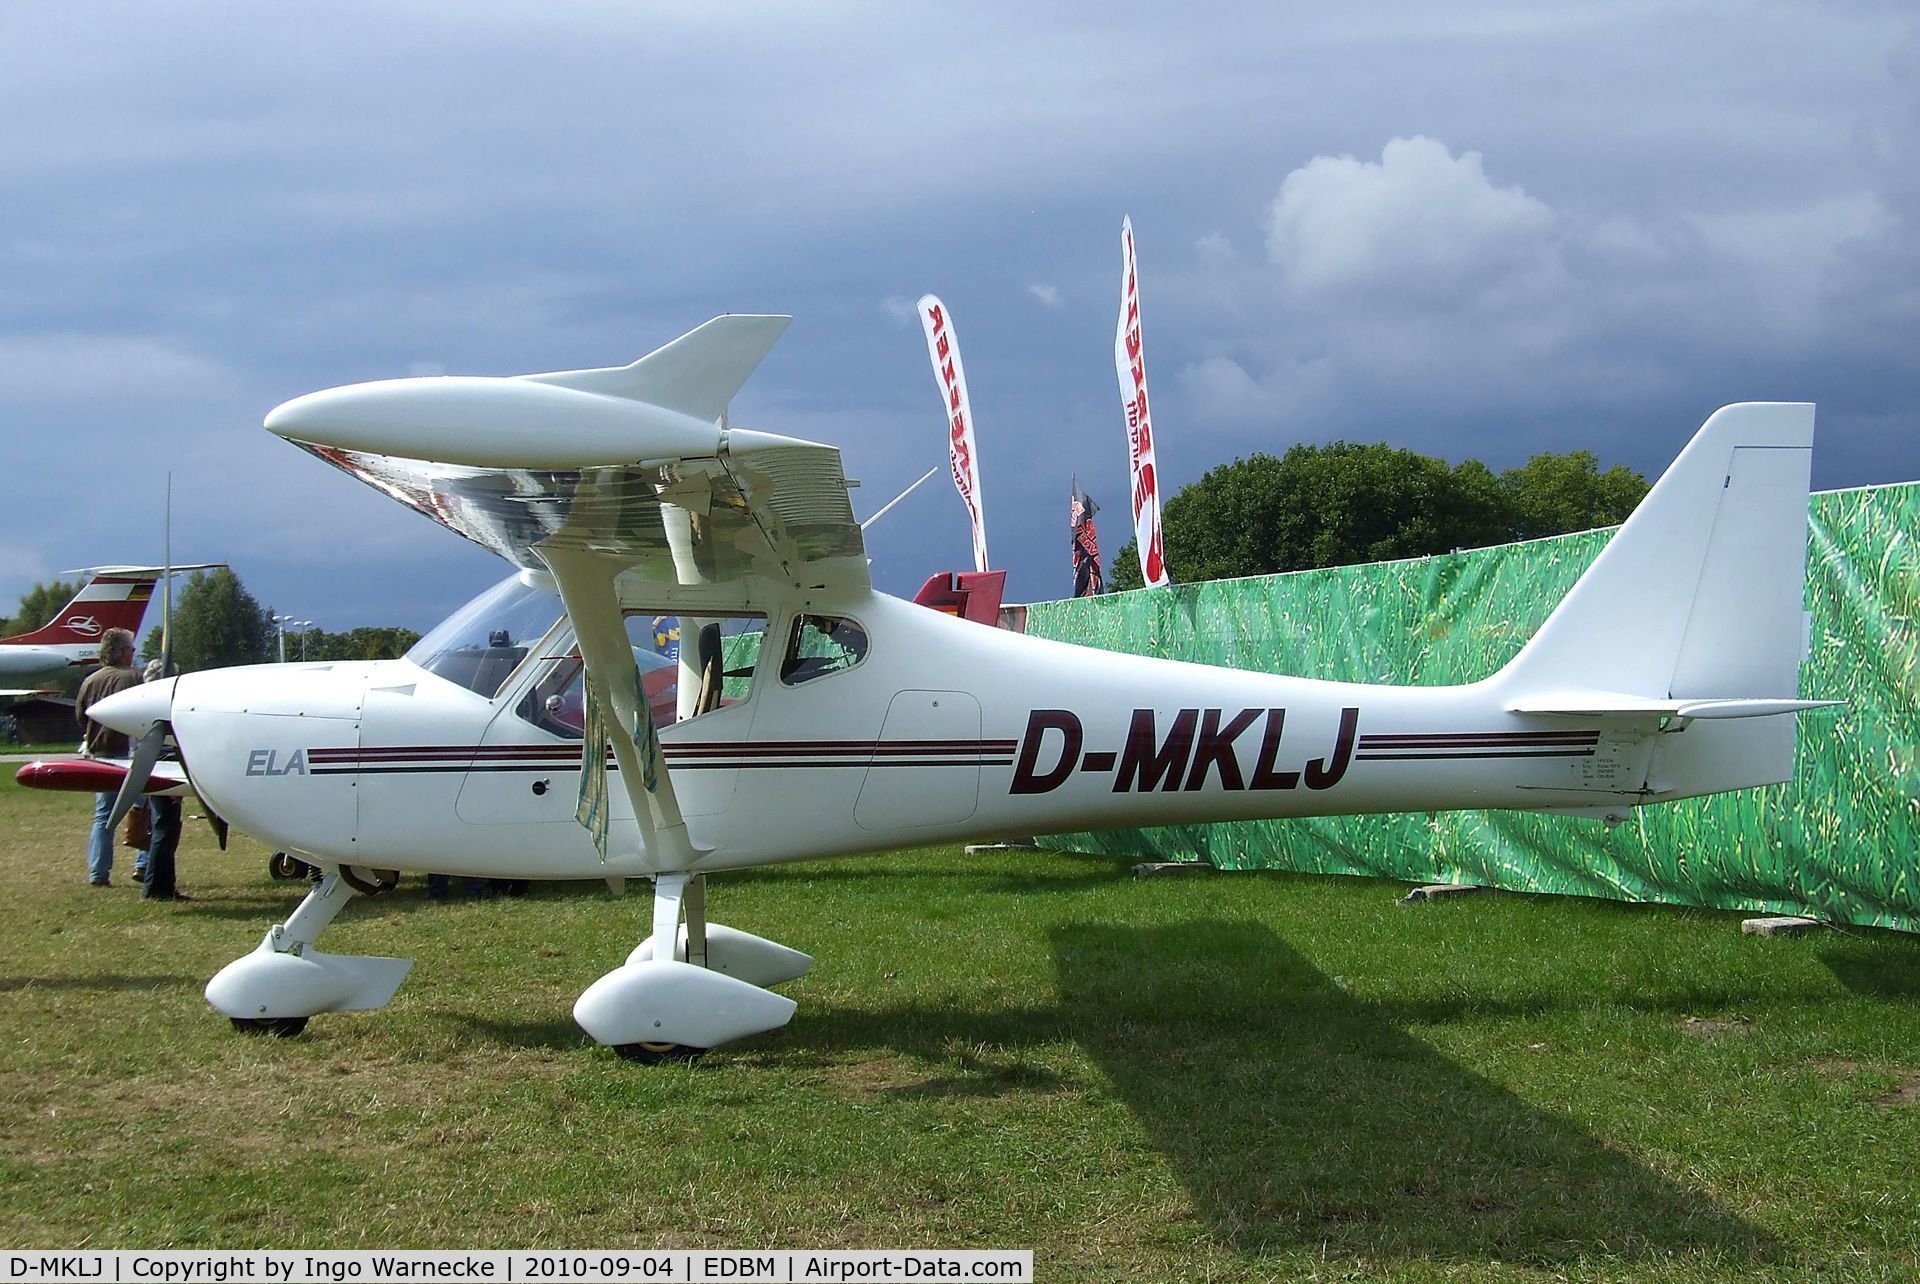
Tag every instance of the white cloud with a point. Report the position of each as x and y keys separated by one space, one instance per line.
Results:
x=1214 y=250
x=1047 y=294
x=1421 y=224
x=1220 y=391
x=53 y=367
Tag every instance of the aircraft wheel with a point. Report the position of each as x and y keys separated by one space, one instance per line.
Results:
x=653 y=1054
x=270 y=1027
x=285 y=866
x=369 y=882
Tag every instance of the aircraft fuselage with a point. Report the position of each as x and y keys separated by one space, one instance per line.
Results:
x=384 y=764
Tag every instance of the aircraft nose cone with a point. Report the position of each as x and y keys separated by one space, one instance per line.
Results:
x=134 y=710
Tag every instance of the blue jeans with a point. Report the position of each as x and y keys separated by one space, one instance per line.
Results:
x=100 y=843
x=166 y=839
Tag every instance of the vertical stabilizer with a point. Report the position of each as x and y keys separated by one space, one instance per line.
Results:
x=1698 y=597
x=108 y=600
x=1699 y=593
x=697 y=374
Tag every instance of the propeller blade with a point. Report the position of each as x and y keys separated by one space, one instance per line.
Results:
x=146 y=752
x=166 y=593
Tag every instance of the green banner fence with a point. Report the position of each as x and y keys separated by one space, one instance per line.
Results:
x=1841 y=842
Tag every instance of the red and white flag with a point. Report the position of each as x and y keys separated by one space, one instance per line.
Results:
x=1131 y=363
x=951 y=378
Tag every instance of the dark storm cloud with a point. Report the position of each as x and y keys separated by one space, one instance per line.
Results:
x=1479 y=230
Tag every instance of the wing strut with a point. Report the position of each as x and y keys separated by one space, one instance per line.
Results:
x=586 y=584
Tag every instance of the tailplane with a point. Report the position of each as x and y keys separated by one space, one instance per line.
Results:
x=1693 y=612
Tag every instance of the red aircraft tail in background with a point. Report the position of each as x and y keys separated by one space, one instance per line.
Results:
x=115 y=598
x=971 y=595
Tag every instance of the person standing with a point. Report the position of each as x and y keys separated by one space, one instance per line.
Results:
x=1087 y=581
x=116 y=673
x=165 y=841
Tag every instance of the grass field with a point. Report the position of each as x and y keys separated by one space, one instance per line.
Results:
x=1248 y=1076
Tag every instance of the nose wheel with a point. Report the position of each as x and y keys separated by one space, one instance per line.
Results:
x=653 y=1054
x=284 y=867
x=270 y=1027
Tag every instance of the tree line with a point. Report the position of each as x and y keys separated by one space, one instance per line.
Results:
x=1350 y=502
x=216 y=623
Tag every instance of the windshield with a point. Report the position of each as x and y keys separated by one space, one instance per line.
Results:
x=485 y=640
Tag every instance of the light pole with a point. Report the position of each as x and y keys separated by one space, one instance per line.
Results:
x=280 y=623
x=304 y=626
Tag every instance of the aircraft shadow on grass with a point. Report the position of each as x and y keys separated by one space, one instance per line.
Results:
x=1874 y=972
x=1295 y=1114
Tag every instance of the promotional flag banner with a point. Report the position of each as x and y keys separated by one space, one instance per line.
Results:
x=1130 y=362
x=1087 y=581
x=951 y=378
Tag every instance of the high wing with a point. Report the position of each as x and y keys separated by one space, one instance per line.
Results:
x=623 y=485
x=632 y=465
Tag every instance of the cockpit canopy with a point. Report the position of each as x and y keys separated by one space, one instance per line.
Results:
x=481 y=643
x=684 y=673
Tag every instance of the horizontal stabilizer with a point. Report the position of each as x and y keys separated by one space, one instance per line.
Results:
x=117 y=572
x=697 y=374
x=1586 y=704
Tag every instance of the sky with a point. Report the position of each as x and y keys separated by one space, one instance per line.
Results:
x=1473 y=230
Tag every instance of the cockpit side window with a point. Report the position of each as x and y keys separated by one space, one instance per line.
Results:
x=820 y=645
x=687 y=667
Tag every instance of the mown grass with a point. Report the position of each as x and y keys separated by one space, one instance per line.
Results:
x=1248 y=1076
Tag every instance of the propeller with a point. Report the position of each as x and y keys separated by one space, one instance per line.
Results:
x=166 y=587
x=146 y=750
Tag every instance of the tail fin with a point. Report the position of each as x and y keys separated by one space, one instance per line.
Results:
x=1694 y=608
x=112 y=598
x=697 y=374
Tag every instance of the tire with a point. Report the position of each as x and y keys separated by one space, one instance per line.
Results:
x=653 y=1054
x=270 y=1027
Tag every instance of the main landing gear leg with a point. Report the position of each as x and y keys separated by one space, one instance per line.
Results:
x=708 y=989
x=285 y=980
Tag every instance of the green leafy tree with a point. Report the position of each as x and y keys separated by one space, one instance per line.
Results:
x=1366 y=502
x=382 y=643
x=1555 y=494
x=1323 y=506
x=216 y=623
x=38 y=606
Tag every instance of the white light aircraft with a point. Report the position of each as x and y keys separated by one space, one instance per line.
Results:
x=807 y=715
x=54 y=658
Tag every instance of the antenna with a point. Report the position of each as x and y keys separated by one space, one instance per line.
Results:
x=897 y=498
